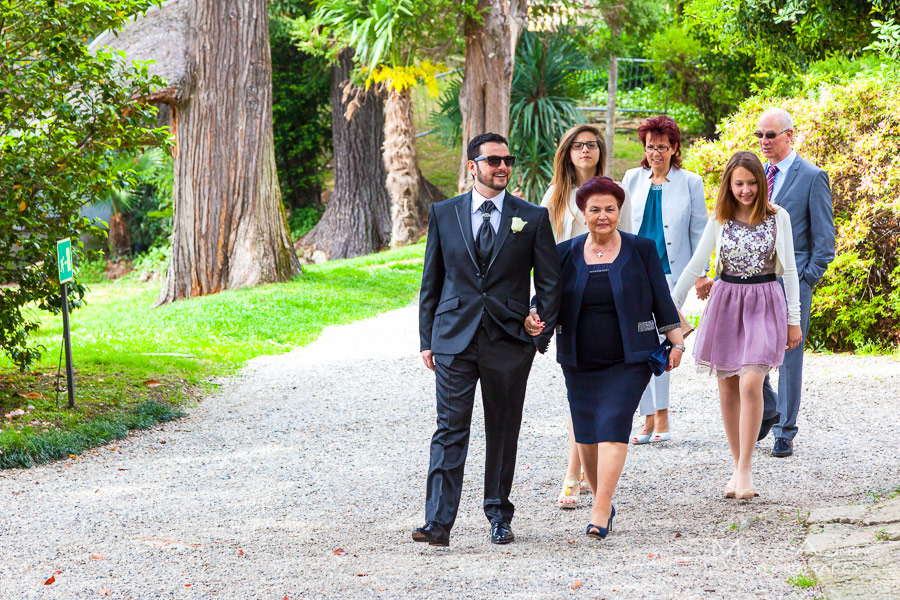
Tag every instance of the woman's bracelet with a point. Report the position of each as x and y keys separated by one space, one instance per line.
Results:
x=679 y=346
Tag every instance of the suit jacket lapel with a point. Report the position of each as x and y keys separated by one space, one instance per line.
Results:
x=789 y=178
x=464 y=216
x=506 y=217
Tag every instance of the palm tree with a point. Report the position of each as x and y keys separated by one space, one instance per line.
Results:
x=134 y=172
x=385 y=35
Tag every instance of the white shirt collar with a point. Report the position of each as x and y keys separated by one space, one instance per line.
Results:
x=786 y=162
x=478 y=199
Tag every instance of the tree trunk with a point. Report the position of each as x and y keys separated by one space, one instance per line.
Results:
x=401 y=163
x=490 y=55
x=230 y=229
x=358 y=218
x=612 y=87
x=119 y=237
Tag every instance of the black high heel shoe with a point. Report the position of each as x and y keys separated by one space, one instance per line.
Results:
x=597 y=532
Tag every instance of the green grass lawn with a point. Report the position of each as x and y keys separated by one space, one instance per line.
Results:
x=131 y=358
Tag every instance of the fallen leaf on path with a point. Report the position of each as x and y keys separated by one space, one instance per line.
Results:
x=577 y=585
x=240 y=552
x=362 y=574
x=153 y=383
x=677 y=535
x=98 y=556
x=51 y=580
x=104 y=592
x=339 y=552
x=31 y=396
x=652 y=556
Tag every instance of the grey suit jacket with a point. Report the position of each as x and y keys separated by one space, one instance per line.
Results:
x=806 y=195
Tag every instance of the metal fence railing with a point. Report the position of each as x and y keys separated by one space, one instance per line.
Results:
x=634 y=74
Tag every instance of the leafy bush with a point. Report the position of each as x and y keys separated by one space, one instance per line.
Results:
x=653 y=99
x=300 y=107
x=699 y=75
x=851 y=131
x=302 y=220
x=64 y=110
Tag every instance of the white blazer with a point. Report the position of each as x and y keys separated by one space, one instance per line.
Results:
x=683 y=211
x=573 y=219
x=785 y=263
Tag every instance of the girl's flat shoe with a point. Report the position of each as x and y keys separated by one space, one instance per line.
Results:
x=571 y=489
x=661 y=437
x=641 y=439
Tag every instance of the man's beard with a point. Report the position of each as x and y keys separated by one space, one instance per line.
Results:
x=488 y=181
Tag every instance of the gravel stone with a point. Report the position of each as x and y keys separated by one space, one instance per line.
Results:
x=304 y=475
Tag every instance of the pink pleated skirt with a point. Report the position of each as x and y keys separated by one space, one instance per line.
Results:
x=744 y=328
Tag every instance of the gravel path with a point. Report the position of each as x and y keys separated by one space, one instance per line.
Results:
x=304 y=476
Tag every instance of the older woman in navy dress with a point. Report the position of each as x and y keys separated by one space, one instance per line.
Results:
x=614 y=300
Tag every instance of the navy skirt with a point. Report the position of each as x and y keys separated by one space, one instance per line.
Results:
x=603 y=400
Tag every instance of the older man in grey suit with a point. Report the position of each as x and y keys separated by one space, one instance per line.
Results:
x=801 y=188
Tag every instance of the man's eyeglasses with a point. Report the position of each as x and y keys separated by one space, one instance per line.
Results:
x=769 y=135
x=652 y=149
x=494 y=161
x=590 y=145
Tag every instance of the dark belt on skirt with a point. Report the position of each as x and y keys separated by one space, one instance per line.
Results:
x=755 y=279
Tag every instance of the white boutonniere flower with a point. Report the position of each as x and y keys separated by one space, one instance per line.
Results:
x=518 y=224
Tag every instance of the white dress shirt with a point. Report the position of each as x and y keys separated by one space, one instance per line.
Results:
x=477 y=200
x=783 y=167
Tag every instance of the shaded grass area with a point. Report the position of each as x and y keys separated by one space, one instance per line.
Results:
x=24 y=449
x=127 y=354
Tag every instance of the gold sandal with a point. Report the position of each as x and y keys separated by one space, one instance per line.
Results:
x=571 y=489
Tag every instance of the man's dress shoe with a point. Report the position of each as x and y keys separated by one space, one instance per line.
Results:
x=766 y=426
x=501 y=533
x=433 y=533
x=783 y=447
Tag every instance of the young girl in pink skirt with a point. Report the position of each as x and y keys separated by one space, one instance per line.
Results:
x=746 y=326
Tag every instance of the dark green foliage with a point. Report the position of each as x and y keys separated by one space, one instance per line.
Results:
x=302 y=220
x=300 y=108
x=20 y=450
x=699 y=75
x=65 y=116
x=542 y=105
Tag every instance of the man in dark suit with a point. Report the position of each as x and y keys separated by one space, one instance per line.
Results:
x=476 y=288
x=802 y=189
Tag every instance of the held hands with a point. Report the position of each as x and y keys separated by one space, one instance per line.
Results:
x=703 y=285
x=794 y=337
x=428 y=359
x=533 y=324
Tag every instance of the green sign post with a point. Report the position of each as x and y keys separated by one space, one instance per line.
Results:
x=64 y=263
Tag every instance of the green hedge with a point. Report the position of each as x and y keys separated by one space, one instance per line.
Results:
x=852 y=131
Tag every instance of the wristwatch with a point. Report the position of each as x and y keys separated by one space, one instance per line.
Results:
x=679 y=346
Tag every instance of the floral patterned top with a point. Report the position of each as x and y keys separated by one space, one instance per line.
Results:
x=748 y=250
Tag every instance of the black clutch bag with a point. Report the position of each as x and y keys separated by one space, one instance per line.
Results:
x=659 y=360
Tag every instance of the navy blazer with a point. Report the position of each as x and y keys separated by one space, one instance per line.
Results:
x=643 y=302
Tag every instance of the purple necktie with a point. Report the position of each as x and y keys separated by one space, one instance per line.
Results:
x=770 y=179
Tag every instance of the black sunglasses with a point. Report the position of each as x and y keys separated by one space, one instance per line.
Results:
x=769 y=135
x=494 y=161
